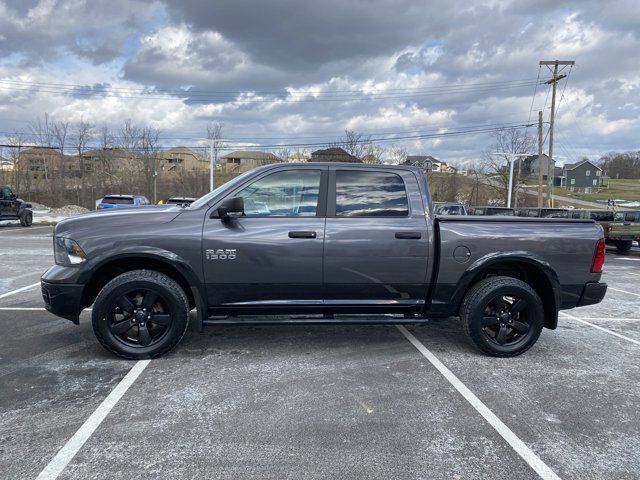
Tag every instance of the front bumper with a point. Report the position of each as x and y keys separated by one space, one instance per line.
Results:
x=592 y=293
x=63 y=299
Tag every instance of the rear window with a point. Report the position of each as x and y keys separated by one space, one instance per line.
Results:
x=118 y=200
x=500 y=212
x=601 y=216
x=631 y=217
x=370 y=194
x=449 y=210
x=550 y=213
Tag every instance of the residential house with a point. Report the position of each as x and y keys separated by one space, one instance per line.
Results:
x=242 y=160
x=334 y=154
x=44 y=162
x=582 y=176
x=181 y=159
x=425 y=162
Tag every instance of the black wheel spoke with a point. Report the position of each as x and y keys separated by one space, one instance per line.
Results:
x=121 y=327
x=150 y=298
x=518 y=306
x=499 y=304
x=489 y=321
x=160 y=318
x=520 y=327
x=125 y=304
x=144 y=337
x=501 y=336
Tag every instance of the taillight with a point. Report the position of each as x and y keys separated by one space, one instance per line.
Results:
x=598 y=258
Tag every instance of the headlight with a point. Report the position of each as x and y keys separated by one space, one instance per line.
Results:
x=67 y=252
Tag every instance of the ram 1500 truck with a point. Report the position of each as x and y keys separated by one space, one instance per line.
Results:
x=319 y=239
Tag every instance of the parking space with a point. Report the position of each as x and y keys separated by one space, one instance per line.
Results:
x=320 y=401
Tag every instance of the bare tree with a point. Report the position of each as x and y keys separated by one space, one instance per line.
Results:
x=149 y=149
x=373 y=153
x=214 y=134
x=507 y=142
x=354 y=143
x=397 y=155
x=283 y=153
x=82 y=133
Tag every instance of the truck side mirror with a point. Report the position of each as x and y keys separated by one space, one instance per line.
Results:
x=231 y=208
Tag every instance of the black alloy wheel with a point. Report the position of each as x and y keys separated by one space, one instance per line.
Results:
x=139 y=318
x=505 y=320
x=140 y=314
x=503 y=316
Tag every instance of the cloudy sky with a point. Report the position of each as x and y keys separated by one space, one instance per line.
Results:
x=294 y=71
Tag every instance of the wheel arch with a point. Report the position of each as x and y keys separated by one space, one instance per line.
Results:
x=525 y=266
x=110 y=268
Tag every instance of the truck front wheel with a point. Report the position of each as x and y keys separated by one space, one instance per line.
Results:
x=140 y=314
x=502 y=316
x=624 y=245
x=26 y=219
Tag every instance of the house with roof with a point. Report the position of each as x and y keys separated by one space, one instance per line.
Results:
x=582 y=176
x=240 y=161
x=425 y=162
x=334 y=154
x=181 y=159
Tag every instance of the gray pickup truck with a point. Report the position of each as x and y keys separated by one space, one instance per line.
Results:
x=319 y=239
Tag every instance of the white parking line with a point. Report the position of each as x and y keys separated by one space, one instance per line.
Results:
x=623 y=291
x=606 y=330
x=32 y=309
x=75 y=443
x=614 y=319
x=541 y=468
x=13 y=292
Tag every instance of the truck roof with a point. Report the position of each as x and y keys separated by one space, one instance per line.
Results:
x=350 y=165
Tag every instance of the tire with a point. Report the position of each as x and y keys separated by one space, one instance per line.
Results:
x=140 y=314
x=26 y=219
x=623 y=245
x=505 y=334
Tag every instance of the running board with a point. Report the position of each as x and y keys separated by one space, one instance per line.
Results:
x=342 y=320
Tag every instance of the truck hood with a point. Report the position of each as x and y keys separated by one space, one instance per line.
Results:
x=108 y=219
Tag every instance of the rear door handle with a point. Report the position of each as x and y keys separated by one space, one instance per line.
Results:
x=408 y=235
x=302 y=234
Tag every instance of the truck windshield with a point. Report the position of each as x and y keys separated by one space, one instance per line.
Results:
x=209 y=196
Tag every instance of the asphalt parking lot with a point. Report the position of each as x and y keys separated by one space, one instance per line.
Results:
x=316 y=401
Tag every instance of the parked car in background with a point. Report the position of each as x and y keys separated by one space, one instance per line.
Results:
x=543 y=212
x=620 y=228
x=320 y=238
x=122 y=201
x=492 y=211
x=624 y=229
x=449 y=208
x=180 y=201
x=13 y=208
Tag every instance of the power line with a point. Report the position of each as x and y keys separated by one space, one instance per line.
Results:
x=322 y=144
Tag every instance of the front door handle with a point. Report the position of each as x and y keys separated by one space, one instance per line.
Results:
x=408 y=235
x=302 y=234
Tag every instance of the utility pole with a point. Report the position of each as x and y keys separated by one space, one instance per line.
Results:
x=553 y=82
x=540 y=179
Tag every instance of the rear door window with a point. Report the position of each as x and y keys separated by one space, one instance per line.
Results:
x=118 y=200
x=370 y=194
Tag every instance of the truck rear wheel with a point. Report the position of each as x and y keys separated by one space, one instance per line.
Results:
x=26 y=219
x=140 y=314
x=502 y=316
x=624 y=245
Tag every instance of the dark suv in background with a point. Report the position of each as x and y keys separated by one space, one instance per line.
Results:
x=13 y=208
